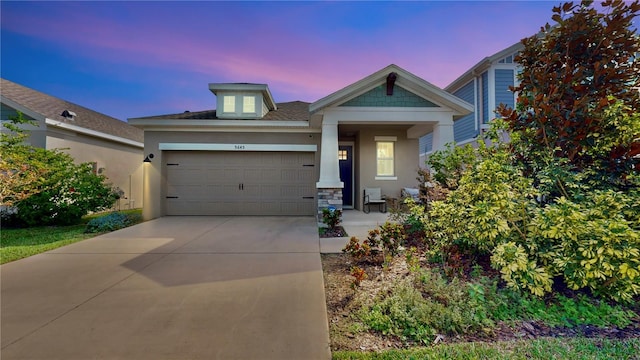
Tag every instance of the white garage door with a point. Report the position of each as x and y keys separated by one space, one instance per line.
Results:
x=240 y=183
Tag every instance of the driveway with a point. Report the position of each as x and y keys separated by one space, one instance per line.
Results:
x=172 y=288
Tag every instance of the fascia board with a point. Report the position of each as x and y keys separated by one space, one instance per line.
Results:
x=481 y=66
x=94 y=133
x=353 y=90
x=405 y=79
x=144 y=123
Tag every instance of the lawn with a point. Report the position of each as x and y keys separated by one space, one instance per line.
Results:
x=21 y=243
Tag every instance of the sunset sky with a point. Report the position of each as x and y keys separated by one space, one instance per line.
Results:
x=131 y=59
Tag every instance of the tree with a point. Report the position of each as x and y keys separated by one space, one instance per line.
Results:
x=46 y=187
x=578 y=97
x=560 y=203
x=20 y=170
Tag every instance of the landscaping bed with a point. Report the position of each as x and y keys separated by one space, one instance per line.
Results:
x=348 y=332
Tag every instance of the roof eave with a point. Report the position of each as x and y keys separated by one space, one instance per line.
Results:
x=94 y=133
x=481 y=66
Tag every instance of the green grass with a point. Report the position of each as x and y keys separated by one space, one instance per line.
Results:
x=543 y=349
x=17 y=244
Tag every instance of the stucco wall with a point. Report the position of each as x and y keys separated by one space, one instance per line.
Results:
x=121 y=164
x=406 y=161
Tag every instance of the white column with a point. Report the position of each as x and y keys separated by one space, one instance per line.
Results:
x=329 y=168
x=442 y=134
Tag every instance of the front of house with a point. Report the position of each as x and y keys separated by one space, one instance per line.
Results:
x=253 y=156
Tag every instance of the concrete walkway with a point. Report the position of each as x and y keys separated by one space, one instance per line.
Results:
x=172 y=288
x=355 y=223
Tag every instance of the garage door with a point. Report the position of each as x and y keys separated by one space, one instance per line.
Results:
x=240 y=183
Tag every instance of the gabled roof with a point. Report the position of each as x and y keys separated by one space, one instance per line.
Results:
x=404 y=79
x=481 y=66
x=51 y=108
x=288 y=111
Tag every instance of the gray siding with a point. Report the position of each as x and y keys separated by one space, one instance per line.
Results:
x=464 y=128
x=504 y=79
x=485 y=97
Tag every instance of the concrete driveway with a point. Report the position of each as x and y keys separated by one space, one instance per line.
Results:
x=172 y=288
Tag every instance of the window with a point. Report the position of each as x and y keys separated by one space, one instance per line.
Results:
x=384 y=158
x=342 y=154
x=229 y=105
x=248 y=104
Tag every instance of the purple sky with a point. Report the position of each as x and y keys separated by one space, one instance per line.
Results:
x=131 y=59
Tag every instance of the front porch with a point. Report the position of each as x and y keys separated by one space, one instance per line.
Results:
x=370 y=134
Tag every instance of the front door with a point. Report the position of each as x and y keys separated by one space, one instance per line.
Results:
x=345 y=157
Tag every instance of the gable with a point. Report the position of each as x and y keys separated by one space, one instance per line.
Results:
x=415 y=88
x=377 y=97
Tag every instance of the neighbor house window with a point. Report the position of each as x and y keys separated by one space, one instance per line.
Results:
x=385 y=158
x=229 y=105
x=249 y=104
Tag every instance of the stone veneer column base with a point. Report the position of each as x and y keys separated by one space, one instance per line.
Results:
x=328 y=197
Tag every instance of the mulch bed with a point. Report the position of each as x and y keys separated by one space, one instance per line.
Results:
x=338 y=231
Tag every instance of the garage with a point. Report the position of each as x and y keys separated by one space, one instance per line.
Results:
x=239 y=183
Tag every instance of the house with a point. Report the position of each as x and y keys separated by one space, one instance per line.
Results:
x=485 y=86
x=114 y=147
x=253 y=156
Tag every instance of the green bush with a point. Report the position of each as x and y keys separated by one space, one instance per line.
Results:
x=331 y=217
x=427 y=304
x=111 y=222
x=45 y=187
x=589 y=239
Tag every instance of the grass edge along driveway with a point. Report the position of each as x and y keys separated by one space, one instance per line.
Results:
x=16 y=244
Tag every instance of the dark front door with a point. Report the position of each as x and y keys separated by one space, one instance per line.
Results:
x=345 y=157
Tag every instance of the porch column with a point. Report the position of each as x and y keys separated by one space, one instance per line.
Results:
x=329 y=167
x=329 y=185
x=442 y=134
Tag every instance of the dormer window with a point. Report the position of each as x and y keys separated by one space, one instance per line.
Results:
x=249 y=104
x=229 y=105
x=242 y=101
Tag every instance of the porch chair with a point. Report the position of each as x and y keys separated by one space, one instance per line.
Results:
x=372 y=196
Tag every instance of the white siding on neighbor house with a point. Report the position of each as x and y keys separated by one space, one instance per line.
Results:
x=504 y=79
x=465 y=128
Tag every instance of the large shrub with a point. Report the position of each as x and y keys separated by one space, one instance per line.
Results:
x=561 y=200
x=46 y=187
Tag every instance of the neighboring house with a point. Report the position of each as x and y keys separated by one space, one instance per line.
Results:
x=485 y=86
x=253 y=156
x=114 y=147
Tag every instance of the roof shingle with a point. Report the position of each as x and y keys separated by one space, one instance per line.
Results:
x=288 y=111
x=52 y=107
